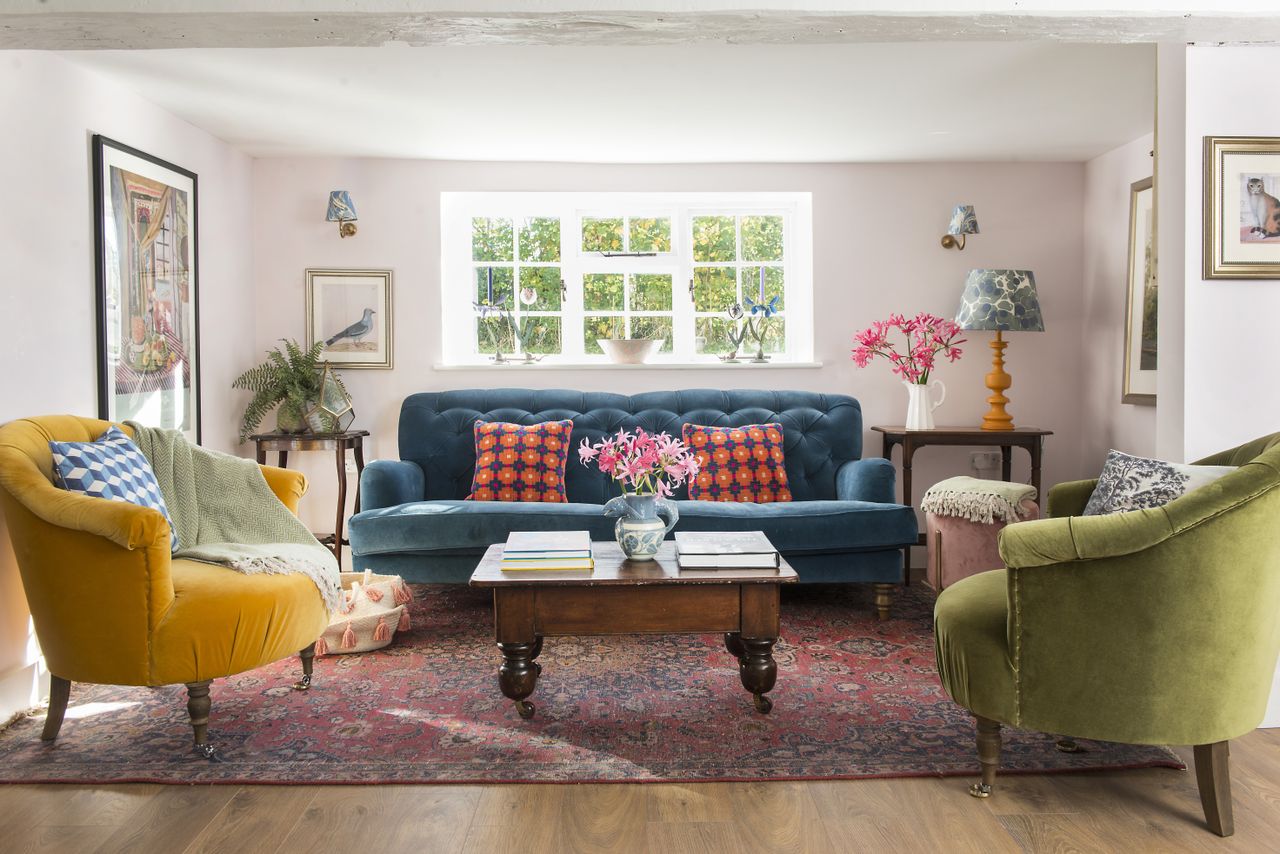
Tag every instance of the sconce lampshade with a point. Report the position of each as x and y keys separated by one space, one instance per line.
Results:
x=341 y=208
x=963 y=221
x=1000 y=300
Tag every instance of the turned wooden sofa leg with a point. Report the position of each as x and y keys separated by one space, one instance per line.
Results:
x=884 y=598
x=1213 y=775
x=198 y=708
x=59 y=695
x=988 y=756
x=308 y=656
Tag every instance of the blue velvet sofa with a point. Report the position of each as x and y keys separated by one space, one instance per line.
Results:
x=842 y=525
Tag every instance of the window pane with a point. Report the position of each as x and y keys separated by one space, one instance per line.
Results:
x=595 y=326
x=540 y=288
x=775 y=336
x=650 y=235
x=501 y=284
x=650 y=292
x=602 y=291
x=714 y=288
x=762 y=238
x=653 y=327
x=491 y=239
x=540 y=239
x=714 y=335
x=713 y=238
x=495 y=328
x=539 y=334
x=601 y=235
x=772 y=285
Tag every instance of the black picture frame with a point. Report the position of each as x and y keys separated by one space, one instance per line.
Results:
x=148 y=290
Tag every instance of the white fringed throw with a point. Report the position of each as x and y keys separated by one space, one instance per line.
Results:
x=977 y=500
x=225 y=513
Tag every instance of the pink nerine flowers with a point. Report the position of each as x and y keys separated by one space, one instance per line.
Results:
x=927 y=336
x=642 y=463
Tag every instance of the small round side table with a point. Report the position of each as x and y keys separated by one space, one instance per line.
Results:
x=340 y=443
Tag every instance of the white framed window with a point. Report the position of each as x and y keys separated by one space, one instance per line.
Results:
x=568 y=269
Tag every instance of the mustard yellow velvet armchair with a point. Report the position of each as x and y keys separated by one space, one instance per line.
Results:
x=110 y=603
x=1157 y=626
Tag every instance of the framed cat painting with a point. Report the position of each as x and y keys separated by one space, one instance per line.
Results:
x=1241 y=207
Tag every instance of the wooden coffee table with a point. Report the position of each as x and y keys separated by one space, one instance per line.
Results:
x=622 y=597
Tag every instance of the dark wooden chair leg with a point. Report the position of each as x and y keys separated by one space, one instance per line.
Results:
x=59 y=695
x=308 y=656
x=1213 y=775
x=988 y=756
x=884 y=598
x=198 y=708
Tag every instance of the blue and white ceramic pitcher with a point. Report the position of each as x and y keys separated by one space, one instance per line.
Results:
x=638 y=530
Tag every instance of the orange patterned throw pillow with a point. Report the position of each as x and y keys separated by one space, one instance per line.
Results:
x=515 y=462
x=738 y=463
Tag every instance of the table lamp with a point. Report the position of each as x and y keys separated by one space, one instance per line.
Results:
x=1003 y=301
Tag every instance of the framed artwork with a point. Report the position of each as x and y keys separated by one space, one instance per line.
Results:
x=1141 y=306
x=146 y=266
x=350 y=311
x=1241 y=207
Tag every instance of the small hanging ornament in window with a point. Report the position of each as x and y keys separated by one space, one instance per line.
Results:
x=528 y=295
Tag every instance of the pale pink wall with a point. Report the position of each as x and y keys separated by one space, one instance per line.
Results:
x=50 y=109
x=876 y=251
x=1107 y=423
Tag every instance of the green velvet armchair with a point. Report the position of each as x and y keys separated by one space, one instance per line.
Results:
x=1150 y=627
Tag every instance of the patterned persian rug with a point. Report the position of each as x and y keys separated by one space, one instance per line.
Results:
x=855 y=698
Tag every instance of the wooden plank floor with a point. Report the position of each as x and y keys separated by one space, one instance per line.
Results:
x=1129 y=811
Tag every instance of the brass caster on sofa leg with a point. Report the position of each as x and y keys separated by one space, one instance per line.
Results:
x=303 y=684
x=763 y=704
x=1068 y=745
x=980 y=790
x=208 y=751
x=307 y=656
x=525 y=708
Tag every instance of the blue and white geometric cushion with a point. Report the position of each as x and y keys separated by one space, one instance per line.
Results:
x=113 y=468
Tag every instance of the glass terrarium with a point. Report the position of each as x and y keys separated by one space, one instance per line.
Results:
x=332 y=412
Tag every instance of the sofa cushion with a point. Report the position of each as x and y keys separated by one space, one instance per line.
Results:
x=795 y=528
x=517 y=462
x=738 y=463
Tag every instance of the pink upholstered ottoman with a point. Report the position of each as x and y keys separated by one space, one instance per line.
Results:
x=959 y=548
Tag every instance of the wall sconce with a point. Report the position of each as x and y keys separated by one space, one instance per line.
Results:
x=963 y=221
x=343 y=212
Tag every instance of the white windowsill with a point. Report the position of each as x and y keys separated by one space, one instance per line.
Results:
x=651 y=366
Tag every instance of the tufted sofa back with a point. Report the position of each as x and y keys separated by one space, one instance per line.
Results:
x=820 y=431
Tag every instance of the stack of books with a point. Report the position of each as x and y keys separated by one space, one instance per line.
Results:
x=547 y=550
x=725 y=550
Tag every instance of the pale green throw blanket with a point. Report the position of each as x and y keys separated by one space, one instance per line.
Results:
x=977 y=500
x=225 y=513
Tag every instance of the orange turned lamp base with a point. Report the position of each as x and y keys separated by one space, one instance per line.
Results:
x=998 y=381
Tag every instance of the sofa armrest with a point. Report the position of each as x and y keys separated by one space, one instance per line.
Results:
x=871 y=479
x=288 y=485
x=1069 y=499
x=1044 y=542
x=386 y=483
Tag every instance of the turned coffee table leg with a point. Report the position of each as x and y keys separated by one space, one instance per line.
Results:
x=758 y=670
x=733 y=643
x=519 y=673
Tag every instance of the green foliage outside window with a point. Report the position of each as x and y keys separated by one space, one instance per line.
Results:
x=603 y=291
x=650 y=292
x=714 y=238
x=714 y=288
x=598 y=326
x=502 y=279
x=541 y=334
x=540 y=239
x=546 y=282
x=653 y=327
x=761 y=238
x=492 y=239
x=601 y=235
x=650 y=234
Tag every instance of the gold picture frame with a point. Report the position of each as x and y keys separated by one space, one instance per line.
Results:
x=350 y=310
x=1241 y=207
x=1138 y=385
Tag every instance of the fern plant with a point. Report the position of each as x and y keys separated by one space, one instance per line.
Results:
x=291 y=379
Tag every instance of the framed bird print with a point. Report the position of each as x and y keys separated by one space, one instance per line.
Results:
x=147 y=289
x=350 y=311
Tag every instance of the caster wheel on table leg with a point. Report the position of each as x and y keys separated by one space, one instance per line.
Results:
x=525 y=708
x=1068 y=745
x=763 y=703
x=980 y=790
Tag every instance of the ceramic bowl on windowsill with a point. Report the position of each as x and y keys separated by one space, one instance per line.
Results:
x=629 y=351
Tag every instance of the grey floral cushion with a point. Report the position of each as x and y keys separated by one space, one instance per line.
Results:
x=1134 y=483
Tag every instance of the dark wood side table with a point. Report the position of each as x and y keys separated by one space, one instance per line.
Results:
x=1031 y=438
x=339 y=443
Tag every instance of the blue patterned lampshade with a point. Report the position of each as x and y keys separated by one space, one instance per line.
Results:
x=963 y=221
x=1003 y=300
x=342 y=211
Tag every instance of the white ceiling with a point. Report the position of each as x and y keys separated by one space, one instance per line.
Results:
x=673 y=103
